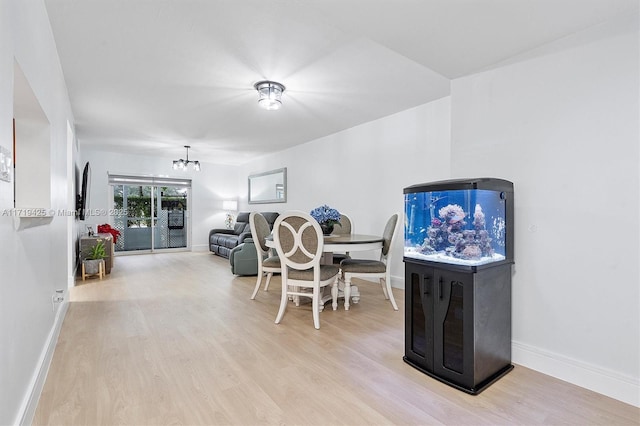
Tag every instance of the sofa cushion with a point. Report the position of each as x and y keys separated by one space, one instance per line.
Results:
x=229 y=241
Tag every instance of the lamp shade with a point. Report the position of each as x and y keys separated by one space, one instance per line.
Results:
x=230 y=205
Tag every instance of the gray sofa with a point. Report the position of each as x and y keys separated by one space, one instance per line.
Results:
x=222 y=241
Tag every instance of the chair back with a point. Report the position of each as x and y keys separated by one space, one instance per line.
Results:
x=299 y=241
x=260 y=230
x=388 y=234
x=345 y=226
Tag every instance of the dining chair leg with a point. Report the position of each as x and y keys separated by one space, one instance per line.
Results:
x=389 y=292
x=334 y=295
x=266 y=285
x=347 y=291
x=315 y=307
x=283 y=302
x=384 y=288
x=257 y=287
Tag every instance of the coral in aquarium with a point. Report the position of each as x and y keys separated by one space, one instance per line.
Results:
x=449 y=236
x=453 y=215
x=471 y=252
x=478 y=218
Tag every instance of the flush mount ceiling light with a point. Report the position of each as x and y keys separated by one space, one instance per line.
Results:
x=182 y=164
x=270 y=94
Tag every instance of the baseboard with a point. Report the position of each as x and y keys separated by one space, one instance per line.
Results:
x=200 y=247
x=610 y=383
x=397 y=282
x=30 y=402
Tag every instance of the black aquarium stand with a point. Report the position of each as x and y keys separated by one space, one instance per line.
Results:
x=458 y=322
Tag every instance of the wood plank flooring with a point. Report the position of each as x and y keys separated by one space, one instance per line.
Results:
x=173 y=338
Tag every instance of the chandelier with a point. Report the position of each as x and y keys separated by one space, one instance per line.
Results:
x=269 y=94
x=182 y=164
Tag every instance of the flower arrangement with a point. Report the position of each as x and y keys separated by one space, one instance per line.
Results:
x=326 y=215
x=106 y=228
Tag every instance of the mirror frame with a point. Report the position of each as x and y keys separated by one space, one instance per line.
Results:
x=252 y=199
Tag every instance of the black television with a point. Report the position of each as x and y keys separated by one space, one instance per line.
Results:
x=83 y=197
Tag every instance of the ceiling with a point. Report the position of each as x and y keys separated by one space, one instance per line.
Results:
x=152 y=76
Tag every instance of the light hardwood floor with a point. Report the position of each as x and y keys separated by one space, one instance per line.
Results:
x=173 y=338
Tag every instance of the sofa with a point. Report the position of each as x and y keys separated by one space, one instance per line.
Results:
x=222 y=241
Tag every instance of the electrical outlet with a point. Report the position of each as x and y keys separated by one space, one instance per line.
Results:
x=58 y=296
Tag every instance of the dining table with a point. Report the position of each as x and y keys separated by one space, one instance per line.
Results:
x=334 y=243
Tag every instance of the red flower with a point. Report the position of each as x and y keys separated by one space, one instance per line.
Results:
x=107 y=229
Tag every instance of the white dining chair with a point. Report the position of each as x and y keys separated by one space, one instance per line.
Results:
x=267 y=264
x=299 y=243
x=345 y=228
x=364 y=268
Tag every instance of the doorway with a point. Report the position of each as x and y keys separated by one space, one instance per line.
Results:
x=152 y=214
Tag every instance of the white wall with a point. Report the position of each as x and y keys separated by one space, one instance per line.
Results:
x=33 y=262
x=363 y=170
x=369 y=189
x=210 y=187
x=563 y=126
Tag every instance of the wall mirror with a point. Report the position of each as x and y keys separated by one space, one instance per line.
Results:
x=268 y=187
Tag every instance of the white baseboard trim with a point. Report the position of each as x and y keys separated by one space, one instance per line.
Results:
x=607 y=382
x=200 y=247
x=30 y=402
x=397 y=282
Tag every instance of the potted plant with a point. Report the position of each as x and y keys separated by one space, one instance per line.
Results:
x=92 y=261
x=327 y=217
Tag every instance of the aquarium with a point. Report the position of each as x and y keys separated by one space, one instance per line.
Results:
x=459 y=222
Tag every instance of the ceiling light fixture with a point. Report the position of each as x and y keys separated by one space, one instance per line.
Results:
x=270 y=94
x=182 y=164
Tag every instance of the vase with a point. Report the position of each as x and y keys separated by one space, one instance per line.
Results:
x=326 y=229
x=91 y=266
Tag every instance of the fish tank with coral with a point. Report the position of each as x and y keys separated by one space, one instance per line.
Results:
x=466 y=222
